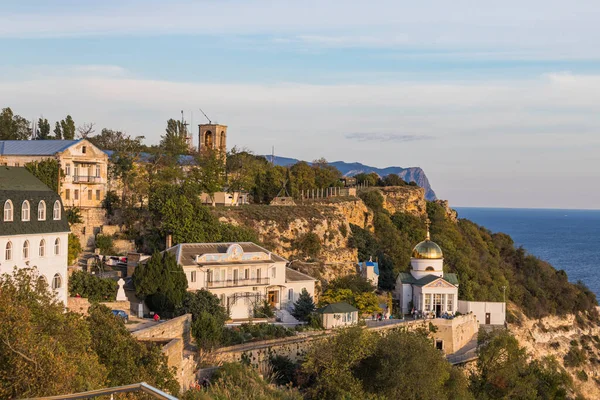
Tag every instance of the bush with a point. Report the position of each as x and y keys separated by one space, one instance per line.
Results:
x=304 y=306
x=574 y=358
x=92 y=287
x=105 y=244
x=74 y=248
x=308 y=245
x=284 y=369
x=207 y=330
x=582 y=375
x=263 y=309
x=251 y=332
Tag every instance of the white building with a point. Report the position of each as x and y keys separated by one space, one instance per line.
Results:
x=338 y=315
x=370 y=271
x=241 y=275
x=487 y=312
x=426 y=288
x=34 y=231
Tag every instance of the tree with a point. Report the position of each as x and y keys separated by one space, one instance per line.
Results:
x=44 y=350
x=126 y=359
x=68 y=128
x=243 y=168
x=92 y=287
x=174 y=141
x=105 y=244
x=57 y=131
x=308 y=245
x=86 y=130
x=13 y=127
x=74 y=248
x=356 y=283
x=74 y=215
x=304 y=306
x=325 y=175
x=201 y=301
x=209 y=172
x=43 y=129
x=207 y=330
x=393 y=180
x=46 y=171
x=366 y=303
x=161 y=282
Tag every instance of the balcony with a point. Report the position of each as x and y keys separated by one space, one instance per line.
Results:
x=86 y=179
x=237 y=283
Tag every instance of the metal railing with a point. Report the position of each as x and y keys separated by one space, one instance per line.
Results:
x=86 y=179
x=237 y=282
x=136 y=387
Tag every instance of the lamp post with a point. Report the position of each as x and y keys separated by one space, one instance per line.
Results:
x=504 y=306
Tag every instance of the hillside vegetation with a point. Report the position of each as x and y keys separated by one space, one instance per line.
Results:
x=485 y=262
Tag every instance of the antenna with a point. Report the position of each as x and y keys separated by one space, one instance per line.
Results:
x=209 y=121
x=273 y=155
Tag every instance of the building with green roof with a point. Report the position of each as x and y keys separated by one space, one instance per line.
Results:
x=34 y=229
x=338 y=315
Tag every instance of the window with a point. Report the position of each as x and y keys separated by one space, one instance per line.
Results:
x=42 y=210
x=76 y=194
x=26 y=250
x=450 y=305
x=97 y=171
x=8 y=210
x=429 y=269
x=57 y=247
x=43 y=281
x=258 y=275
x=25 y=211
x=42 y=250
x=222 y=297
x=76 y=171
x=83 y=150
x=68 y=170
x=273 y=273
x=8 y=252
x=56 y=282
x=223 y=272
x=193 y=276
x=56 y=210
x=97 y=195
x=89 y=194
x=68 y=194
x=427 y=302
x=247 y=273
x=291 y=295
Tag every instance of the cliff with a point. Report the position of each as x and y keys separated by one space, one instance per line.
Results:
x=573 y=341
x=404 y=199
x=414 y=174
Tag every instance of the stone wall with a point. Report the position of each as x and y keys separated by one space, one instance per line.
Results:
x=179 y=328
x=455 y=333
x=81 y=305
x=93 y=220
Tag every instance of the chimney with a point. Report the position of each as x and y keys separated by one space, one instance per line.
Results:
x=169 y=241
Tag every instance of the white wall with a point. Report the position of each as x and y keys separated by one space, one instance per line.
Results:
x=297 y=287
x=497 y=310
x=329 y=320
x=47 y=266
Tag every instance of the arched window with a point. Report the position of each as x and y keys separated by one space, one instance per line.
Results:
x=208 y=139
x=26 y=250
x=42 y=248
x=43 y=281
x=8 y=210
x=42 y=210
x=222 y=140
x=429 y=269
x=56 y=210
x=57 y=247
x=8 y=252
x=56 y=282
x=25 y=211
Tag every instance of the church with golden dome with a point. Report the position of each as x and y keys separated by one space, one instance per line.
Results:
x=426 y=289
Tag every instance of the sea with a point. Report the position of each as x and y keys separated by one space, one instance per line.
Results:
x=567 y=239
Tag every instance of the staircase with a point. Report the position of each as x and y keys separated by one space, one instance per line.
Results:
x=83 y=260
x=286 y=317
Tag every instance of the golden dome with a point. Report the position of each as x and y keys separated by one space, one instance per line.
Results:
x=427 y=249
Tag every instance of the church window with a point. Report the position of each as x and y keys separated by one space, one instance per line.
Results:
x=42 y=249
x=42 y=210
x=56 y=210
x=8 y=210
x=25 y=211
x=450 y=303
x=26 y=250
x=429 y=269
x=57 y=247
x=8 y=251
x=56 y=282
x=427 y=302
x=208 y=139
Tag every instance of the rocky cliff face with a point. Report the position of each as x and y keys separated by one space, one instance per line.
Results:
x=281 y=227
x=557 y=336
x=405 y=199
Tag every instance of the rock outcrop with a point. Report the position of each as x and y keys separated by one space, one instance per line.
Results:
x=404 y=199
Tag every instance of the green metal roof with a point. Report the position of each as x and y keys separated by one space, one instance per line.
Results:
x=337 y=308
x=406 y=277
x=452 y=278
x=17 y=185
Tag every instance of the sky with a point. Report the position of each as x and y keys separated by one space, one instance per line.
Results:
x=499 y=103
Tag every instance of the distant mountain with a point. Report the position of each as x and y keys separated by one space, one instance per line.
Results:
x=415 y=174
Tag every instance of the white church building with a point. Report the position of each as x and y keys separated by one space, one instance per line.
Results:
x=427 y=288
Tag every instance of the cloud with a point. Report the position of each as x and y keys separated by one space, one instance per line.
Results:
x=385 y=137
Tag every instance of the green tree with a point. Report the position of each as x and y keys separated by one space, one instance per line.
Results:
x=46 y=171
x=126 y=359
x=209 y=172
x=57 y=131
x=308 y=245
x=393 y=180
x=207 y=330
x=203 y=301
x=325 y=175
x=304 y=306
x=356 y=283
x=74 y=248
x=161 y=282
x=303 y=178
x=43 y=129
x=44 y=350
x=68 y=128
x=92 y=287
x=105 y=244
x=74 y=215
x=243 y=168
x=370 y=179
x=13 y=127
x=174 y=141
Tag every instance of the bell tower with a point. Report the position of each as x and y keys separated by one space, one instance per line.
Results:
x=213 y=137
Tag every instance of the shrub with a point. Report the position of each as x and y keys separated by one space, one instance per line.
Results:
x=304 y=306
x=308 y=245
x=574 y=358
x=582 y=375
x=74 y=215
x=92 y=287
x=74 y=248
x=105 y=244
x=284 y=369
x=344 y=230
x=207 y=330
x=263 y=309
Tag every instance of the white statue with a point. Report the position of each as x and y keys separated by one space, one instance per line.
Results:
x=121 y=292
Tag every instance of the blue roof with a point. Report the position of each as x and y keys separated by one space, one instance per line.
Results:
x=370 y=264
x=34 y=147
x=147 y=157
